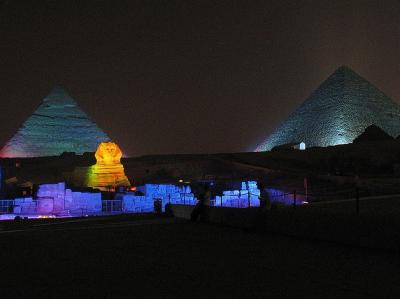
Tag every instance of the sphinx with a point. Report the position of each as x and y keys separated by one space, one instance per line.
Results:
x=108 y=172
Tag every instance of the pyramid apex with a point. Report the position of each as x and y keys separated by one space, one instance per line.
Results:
x=343 y=69
x=60 y=95
x=58 y=89
x=345 y=73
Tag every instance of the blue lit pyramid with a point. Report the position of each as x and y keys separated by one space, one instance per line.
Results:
x=58 y=125
x=341 y=108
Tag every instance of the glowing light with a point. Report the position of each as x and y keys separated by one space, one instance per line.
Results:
x=46 y=216
x=339 y=139
x=108 y=153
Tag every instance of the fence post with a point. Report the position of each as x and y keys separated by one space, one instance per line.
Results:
x=357 y=201
x=294 y=199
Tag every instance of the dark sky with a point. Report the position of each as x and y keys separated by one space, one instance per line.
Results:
x=189 y=76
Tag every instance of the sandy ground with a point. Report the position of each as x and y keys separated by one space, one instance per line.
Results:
x=165 y=258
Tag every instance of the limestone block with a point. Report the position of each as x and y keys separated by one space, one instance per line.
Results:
x=86 y=203
x=45 y=205
x=56 y=192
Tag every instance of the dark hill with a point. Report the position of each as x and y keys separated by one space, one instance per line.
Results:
x=373 y=133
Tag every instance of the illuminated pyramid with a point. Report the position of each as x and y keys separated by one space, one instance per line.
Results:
x=337 y=112
x=58 y=125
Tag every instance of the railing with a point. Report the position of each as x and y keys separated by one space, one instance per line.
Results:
x=185 y=198
x=111 y=206
x=6 y=206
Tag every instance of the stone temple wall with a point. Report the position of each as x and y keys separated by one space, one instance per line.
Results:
x=247 y=195
x=57 y=199
x=240 y=198
x=336 y=113
x=165 y=192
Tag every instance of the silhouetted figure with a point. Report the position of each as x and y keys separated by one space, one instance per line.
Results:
x=265 y=202
x=265 y=205
x=158 y=206
x=200 y=209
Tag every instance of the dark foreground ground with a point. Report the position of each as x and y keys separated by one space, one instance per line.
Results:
x=165 y=258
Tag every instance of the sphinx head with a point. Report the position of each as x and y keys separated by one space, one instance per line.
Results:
x=108 y=153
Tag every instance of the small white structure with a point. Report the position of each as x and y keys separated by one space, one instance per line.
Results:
x=291 y=146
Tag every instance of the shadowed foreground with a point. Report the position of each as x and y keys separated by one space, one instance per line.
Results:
x=166 y=258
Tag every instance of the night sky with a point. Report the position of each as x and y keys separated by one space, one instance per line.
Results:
x=201 y=76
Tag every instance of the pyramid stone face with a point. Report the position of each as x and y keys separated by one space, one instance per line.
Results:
x=58 y=125
x=339 y=110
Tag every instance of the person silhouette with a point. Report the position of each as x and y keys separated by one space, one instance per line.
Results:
x=203 y=202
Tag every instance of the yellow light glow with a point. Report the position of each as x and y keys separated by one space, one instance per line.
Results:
x=108 y=153
x=108 y=172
